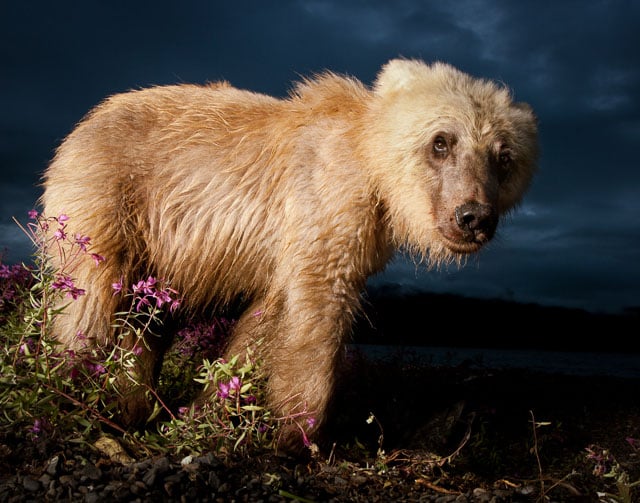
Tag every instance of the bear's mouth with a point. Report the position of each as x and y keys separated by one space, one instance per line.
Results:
x=462 y=246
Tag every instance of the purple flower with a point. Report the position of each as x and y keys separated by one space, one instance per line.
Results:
x=161 y=297
x=235 y=383
x=62 y=218
x=117 y=287
x=65 y=284
x=27 y=347
x=62 y=282
x=37 y=427
x=223 y=390
x=146 y=287
x=60 y=235
x=5 y=271
x=175 y=304
x=82 y=241
x=74 y=293
x=311 y=422
x=97 y=258
x=95 y=368
x=33 y=214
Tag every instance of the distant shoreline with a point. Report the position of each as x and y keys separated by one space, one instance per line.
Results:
x=622 y=365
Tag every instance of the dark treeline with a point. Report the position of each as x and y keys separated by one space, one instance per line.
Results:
x=426 y=319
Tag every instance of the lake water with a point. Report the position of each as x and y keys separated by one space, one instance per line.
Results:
x=586 y=364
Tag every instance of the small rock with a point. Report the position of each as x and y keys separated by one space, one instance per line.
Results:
x=447 y=498
x=502 y=494
x=526 y=490
x=208 y=460
x=52 y=466
x=481 y=495
x=92 y=497
x=68 y=480
x=91 y=472
x=141 y=465
x=358 y=480
x=30 y=484
x=45 y=479
x=138 y=487
x=53 y=493
x=213 y=481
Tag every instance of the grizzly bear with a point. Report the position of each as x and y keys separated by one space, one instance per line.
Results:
x=284 y=206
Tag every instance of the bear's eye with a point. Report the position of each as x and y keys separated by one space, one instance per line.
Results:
x=504 y=164
x=504 y=157
x=440 y=146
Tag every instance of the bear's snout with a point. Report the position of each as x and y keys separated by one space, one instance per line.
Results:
x=477 y=221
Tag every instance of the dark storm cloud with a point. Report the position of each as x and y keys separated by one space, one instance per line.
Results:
x=574 y=241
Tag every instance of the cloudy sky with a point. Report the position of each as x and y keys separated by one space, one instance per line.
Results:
x=575 y=241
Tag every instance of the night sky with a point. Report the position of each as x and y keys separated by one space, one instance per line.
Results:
x=575 y=240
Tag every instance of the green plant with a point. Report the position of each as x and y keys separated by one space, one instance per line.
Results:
x=49 y=392
x=231 y=418
x=607 y=467
x=46 y=391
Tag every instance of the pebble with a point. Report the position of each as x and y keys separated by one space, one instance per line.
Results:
x=52 y=465
x=30 y=484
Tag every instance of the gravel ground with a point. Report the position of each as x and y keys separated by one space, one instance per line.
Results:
x=207 y=478
x=481 y=418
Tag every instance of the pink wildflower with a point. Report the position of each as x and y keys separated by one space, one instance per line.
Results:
x=117 y=287
x=37 y=427
x=60 y=234
x=97 y=258
x=65 y=284
x=235 y=383
x=82 y=241
x=95 y=368
x=223 y=390
x=146 y=287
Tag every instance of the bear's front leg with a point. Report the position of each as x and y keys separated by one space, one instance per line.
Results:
x=300 y=339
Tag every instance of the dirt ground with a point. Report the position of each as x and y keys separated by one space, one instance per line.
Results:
x=400 y=431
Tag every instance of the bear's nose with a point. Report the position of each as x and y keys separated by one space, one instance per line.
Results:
x=477 y=221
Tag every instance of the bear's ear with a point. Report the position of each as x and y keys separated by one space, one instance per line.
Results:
x=398 y=75
x=525 y=108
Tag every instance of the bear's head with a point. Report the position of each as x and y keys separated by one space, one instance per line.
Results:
x=448 y=154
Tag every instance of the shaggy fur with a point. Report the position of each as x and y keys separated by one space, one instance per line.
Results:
x=286 y=204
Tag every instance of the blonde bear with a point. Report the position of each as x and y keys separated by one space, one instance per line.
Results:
x=283 y=206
